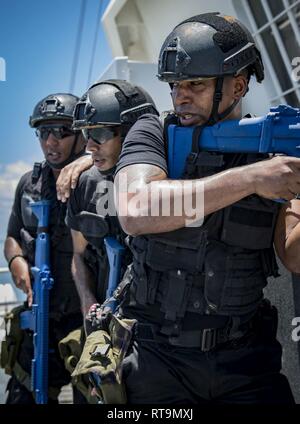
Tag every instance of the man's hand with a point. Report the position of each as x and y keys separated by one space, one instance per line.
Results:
x=275 y=178
x=96 y=318
x=20 y=273
x=69 y=176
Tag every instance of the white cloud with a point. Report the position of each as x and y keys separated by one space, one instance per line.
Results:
x=10 y=175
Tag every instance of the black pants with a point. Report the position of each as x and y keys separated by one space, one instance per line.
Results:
x=58 y=376
x=244 y=372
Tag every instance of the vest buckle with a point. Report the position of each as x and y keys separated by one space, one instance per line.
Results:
x=192 y=158
x=208 y=339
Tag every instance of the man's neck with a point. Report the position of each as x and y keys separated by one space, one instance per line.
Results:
x=236 y=113
x=56 y=173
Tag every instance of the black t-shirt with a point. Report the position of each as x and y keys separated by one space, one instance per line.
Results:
x=91 y=191
x=144 y=143
x=22 y=227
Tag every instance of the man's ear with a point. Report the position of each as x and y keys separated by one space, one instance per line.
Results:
x=240 y=86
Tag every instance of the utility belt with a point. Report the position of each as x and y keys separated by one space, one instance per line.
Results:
x=205 y=339
x=263 y=324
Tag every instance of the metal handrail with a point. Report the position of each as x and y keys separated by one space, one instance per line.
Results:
x=6 y=305
x=3 y=270
x=7 y=280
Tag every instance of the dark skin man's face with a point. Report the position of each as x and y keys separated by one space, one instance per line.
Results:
x=55 y=150
x=193 y=99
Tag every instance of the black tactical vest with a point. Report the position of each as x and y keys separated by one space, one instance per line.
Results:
x=64 y=299
x=218 y=269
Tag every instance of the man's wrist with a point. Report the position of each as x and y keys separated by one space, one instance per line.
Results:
x=19 y=255
x=247 y=175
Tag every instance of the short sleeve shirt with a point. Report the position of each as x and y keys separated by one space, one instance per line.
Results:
x=144 y=143
x=93 y=187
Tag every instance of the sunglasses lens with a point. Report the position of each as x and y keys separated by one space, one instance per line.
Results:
x=42 y=133
x=62 y=132
x=100 y=135
x=58 y=131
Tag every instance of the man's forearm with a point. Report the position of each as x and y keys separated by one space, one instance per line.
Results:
x=178 y=203
x=85 y=282
x=11 y=248
x=290 y=253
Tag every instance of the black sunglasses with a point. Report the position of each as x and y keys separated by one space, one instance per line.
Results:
x=58 y=131
x=100 y=135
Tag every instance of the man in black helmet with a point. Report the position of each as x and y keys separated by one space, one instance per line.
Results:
x=104 y=114
x=52 y=118
x=204 y=333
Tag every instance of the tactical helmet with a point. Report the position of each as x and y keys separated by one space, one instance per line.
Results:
x=58 y=106
x=208 y=45
x=112 y=102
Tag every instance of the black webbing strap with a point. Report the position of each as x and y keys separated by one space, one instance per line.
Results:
x=205 y=338
x=191 y=160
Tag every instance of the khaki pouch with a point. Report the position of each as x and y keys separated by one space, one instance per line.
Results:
x=102 y=358
x=13 y=338
x=70 y=349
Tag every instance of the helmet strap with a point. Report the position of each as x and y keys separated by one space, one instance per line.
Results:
x=191 y=162
x=215 y=116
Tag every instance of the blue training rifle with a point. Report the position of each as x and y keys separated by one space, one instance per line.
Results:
x=277 y=132
x=115 y=253
x=36 y=319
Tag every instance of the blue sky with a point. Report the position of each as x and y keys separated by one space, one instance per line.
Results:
x=37 y=42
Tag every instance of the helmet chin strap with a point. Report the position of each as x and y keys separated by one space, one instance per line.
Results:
x=215 y=116
x=191 y=163
x=72 y=156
